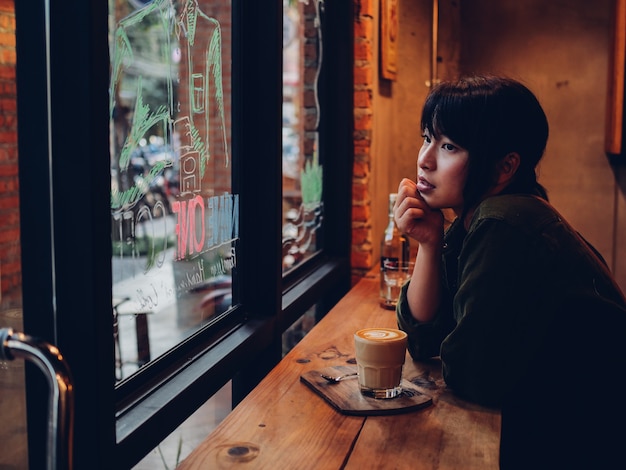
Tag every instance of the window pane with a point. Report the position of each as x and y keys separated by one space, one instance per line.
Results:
x=190 y=434
x=299 y=329
x=302 y=170
x=174 y=217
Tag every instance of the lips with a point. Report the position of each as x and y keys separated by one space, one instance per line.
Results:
x=424 y=185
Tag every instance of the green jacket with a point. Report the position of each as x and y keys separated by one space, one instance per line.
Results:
x=521 y=289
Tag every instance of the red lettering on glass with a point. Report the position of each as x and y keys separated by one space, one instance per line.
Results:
x=189 y=241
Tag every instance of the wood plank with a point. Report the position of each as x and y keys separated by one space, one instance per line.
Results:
x=282 y=423
x=451 y=434
x=615 y=96
x=278 y=424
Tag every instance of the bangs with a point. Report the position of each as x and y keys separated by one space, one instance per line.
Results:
x=453 y=114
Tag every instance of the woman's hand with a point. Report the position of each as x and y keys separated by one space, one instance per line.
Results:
x=415 y=218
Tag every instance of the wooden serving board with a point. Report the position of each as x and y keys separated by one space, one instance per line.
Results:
x=346 y=397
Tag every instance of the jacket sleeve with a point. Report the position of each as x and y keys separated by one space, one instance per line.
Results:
x=424 y=338
x=501 y=307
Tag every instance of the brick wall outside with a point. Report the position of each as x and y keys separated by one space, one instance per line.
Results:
x=218 y=172
x=364 y=69
x=10 y=262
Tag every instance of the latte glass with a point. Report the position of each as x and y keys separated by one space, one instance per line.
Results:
x=380 y=354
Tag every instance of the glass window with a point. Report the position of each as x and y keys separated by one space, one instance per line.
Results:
x=174 y=214
x=303 y=209
x=164 y=145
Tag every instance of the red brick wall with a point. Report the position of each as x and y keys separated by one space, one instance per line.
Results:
x=10 y=264
x=218 y=171
x=364 y=69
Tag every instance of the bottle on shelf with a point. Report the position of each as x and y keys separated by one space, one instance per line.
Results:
x=394 y=258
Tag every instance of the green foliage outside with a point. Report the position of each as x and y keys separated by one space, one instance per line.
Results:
x=311 y=180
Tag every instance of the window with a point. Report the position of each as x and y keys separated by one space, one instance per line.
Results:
x=174 y=216
x=303 y=208
x=76 y=133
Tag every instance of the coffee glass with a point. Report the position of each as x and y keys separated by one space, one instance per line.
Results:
x=380 y=354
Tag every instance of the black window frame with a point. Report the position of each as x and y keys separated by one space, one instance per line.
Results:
x=65 y=224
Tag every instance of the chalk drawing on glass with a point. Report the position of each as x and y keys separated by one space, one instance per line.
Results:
x=174 y=222
x=176 y=47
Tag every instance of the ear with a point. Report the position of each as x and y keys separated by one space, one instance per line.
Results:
x=507 y=168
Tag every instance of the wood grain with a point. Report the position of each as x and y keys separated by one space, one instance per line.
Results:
x=283 y=424
x=614 y=139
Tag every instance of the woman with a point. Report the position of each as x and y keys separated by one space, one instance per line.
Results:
x=522 y=310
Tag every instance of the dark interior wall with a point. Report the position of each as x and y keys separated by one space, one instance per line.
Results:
x=560 y=50
x=397 y=107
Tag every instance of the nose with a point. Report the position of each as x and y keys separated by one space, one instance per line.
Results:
x=426 y=158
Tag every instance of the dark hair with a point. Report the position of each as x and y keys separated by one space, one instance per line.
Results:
x=490 y=117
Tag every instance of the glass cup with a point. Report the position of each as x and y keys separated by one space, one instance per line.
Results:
x=380 y=354
x=394 y=276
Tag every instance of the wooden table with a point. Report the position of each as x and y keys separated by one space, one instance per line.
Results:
x=284 y=424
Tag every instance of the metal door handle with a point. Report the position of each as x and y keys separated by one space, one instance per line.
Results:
x=61 y=404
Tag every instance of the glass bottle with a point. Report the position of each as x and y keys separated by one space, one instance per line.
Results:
x=394 y=251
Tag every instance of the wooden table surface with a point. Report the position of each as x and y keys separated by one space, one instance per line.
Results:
x=284 y=424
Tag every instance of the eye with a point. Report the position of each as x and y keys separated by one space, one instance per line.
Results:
x=426 y=138
x=449 y=147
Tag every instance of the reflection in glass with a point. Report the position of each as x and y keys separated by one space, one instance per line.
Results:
x=174 y=217
x=302 y=170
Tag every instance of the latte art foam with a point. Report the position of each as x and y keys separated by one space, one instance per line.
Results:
x=380 y=334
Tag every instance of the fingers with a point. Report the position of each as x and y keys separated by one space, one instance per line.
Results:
x=407 y=188
x=409 y=207
x=414 y=216
x=409 y=198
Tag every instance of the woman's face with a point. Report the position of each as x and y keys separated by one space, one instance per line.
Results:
x=442 y=172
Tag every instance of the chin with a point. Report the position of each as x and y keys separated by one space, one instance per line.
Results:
x=432 y=202
x=449 y=214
